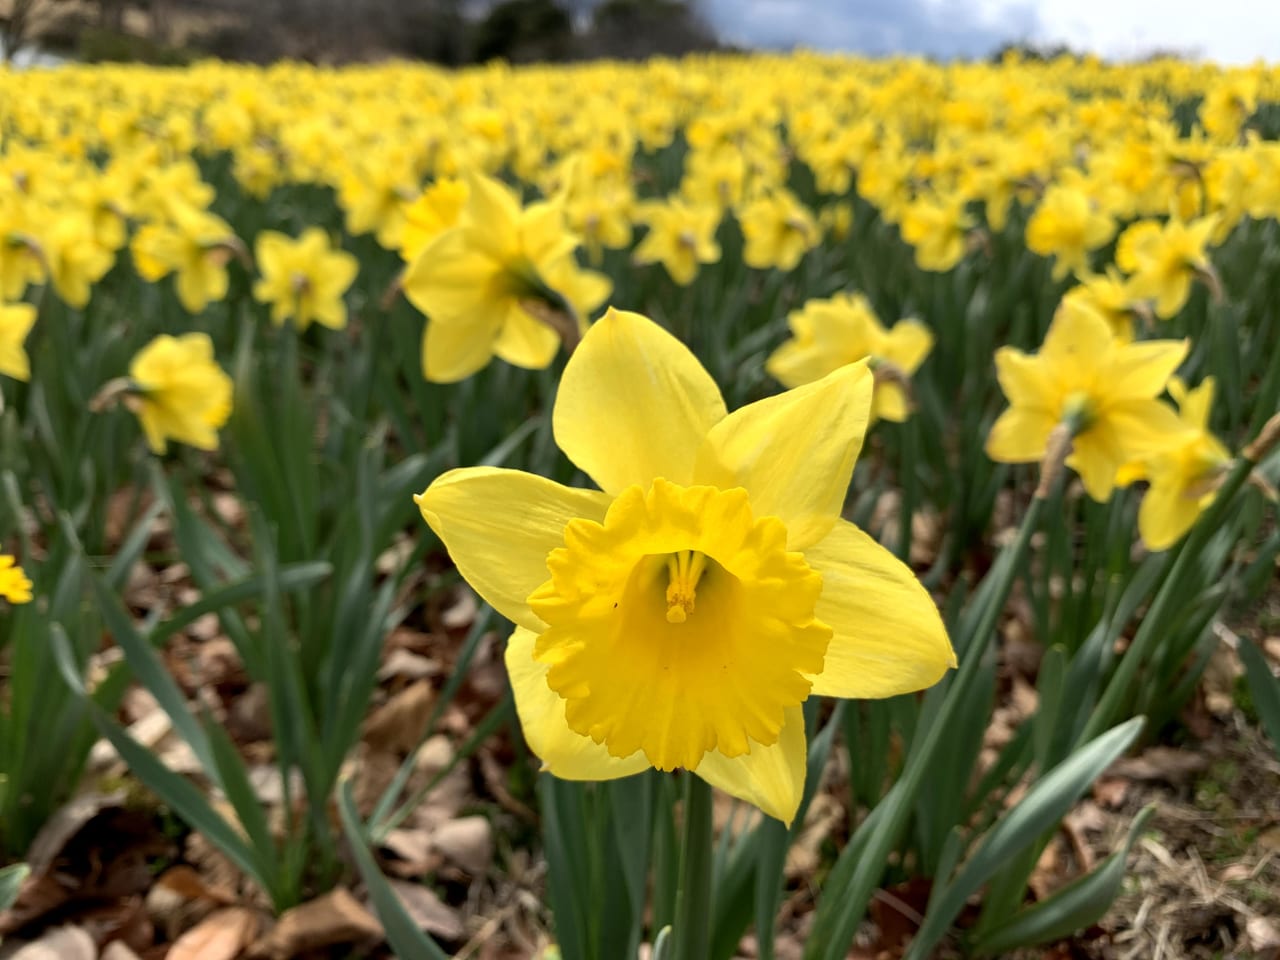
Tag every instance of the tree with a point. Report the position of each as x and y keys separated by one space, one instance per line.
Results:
x=634 y=29
x=522 y=31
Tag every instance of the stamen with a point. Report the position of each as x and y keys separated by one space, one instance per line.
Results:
x=684 y=570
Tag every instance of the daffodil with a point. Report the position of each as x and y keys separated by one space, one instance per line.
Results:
x=194 y=244
x=938 y=231
x=14 y=585
x=828 y=334
x=1108 y=295
x=679 y=616
x=303 y=279
x=1183 y=474
x=485 y=284
x=1067 y=226
x=75 y=259
x=16 y=321
x=1104 y=388
x=179 y=392
x=435 y=210
x=681 y=236
x=1163 y=260
x=779 y=230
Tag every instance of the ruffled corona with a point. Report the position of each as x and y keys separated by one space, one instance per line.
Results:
x=679 y=625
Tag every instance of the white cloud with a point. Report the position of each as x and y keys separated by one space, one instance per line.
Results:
x=1229 y=31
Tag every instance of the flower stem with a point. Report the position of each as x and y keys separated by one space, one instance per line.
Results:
x=693 y=899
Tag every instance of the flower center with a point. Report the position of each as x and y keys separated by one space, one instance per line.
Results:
x=684 y=570
x=679 y=625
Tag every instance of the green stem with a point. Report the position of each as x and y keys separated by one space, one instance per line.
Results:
x=693 y=900
x=1152 y=629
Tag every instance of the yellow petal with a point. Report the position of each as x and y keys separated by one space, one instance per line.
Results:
x=1144 y=369
x=1077 y=337
x=563 y=752
x=1165 y=515
x=499 y=525
x=1020 y=435
x=526 y=342
x=771 y=778
x=794 y=453
x=890 y=403
x=1024 y=379
x=793 y=364
x=888 y=637
x=455 y=350
x=634 y=404
x=908 y=344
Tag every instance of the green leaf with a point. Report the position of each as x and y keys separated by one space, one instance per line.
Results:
x=407 y=940
x=1045 y=804
x=1079 y=904
x=1264 y=687
x=188 y=802
x=11 y=879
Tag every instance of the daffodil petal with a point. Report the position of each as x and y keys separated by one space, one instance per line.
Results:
x=888 y=637
x=1166 y=515
x=499 y=525
x=563 y=752
x=1022 y=378
x=1142 y=370
x=634 y=404
x=771 y=778
x=454 y=351
x=1020 y=435
x=794 y=453
x=526 y=342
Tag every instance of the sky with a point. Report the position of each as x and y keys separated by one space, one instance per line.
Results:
x=1227 y=31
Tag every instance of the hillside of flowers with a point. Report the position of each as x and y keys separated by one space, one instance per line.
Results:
x=740 y=506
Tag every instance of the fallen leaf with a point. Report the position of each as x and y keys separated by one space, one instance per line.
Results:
x=462 y=612
x=337 y=917
x=428 y=911
x=1263 y=934
x=467 y=842
x=415 y=853
x=805 y=855
x=1162 y=764
x=220 y=936
x=398 y=725
x=184 y=881
x=407 y=665
x=1110 y=792
x=60 y=943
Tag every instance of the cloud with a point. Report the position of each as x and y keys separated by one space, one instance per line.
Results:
x=956 y=28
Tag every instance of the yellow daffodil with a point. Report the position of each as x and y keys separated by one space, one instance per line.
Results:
x=1183 y=473
x=484 y=283
x=779 y=230
x=303 y=279
x=1163 y=260
x=14 y=585
x=680 y=615
x=192 y=243
x=1107 y=295
x=16 y=321
x=1068 y=226
x=938 y=231
x=76 y=260
x=680 y=237
x=431 y=214
x=1084 y=374
x=828 y=334
x=179 y=392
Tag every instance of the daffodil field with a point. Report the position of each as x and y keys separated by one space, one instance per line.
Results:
x=763 y=402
